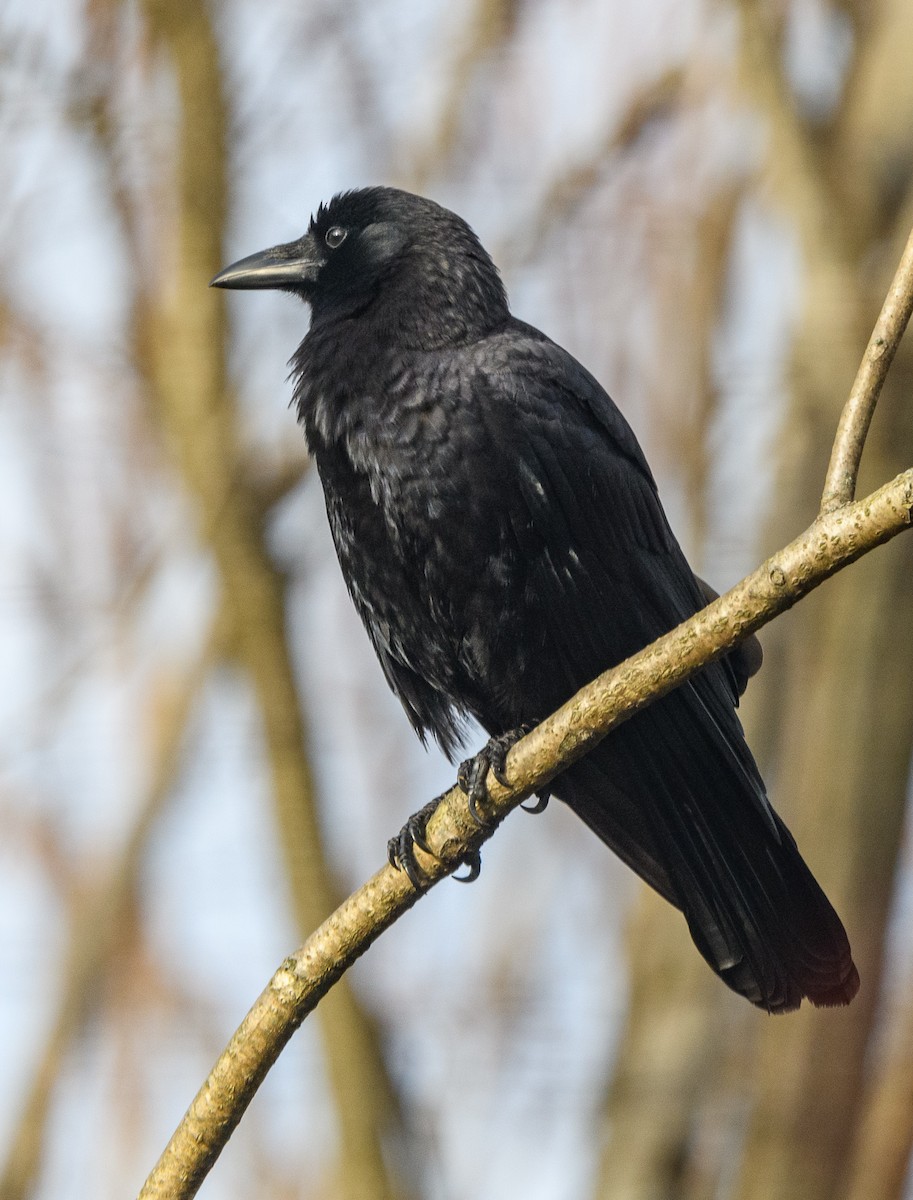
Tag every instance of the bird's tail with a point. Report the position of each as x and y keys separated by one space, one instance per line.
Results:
x=675 y=792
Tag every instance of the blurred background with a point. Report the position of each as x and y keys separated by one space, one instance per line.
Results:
x=704 y=201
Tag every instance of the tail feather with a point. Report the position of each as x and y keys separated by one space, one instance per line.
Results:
x=676 y=793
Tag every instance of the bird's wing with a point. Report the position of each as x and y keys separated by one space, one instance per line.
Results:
x=601 y=567
x=675 y=790
x=597 y=573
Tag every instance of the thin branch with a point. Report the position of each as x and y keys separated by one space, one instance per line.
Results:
x=832 y=542
x=840 y=484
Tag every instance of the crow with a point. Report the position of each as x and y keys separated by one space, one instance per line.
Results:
x=502 y=539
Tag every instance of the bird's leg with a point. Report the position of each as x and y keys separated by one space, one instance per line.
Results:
x=493 y=757
x=471 y=777
x=401 y=849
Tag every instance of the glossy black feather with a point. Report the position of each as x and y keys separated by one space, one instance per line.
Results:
x=501 y=536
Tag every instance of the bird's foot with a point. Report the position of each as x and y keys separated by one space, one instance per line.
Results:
x=492 y=757
x=401 y=849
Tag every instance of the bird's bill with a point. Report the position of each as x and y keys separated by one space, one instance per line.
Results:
x=292 y=265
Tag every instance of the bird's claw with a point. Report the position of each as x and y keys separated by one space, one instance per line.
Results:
x=473 y=864
x=542 y=799
x=401 y=849
x=471 y=778
x=473 y=773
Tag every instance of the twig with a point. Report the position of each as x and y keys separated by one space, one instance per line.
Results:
x=840 y=484
x=832 y=542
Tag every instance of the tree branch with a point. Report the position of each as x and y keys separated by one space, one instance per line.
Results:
x=840 y=484
x=835 y=539
x=832 y=542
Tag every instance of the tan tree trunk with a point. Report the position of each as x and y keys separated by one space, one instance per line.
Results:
x=184 y=331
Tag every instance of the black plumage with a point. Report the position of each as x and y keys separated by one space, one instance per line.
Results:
x=501 y=536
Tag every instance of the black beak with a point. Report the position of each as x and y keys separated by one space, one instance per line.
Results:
x=293 y=265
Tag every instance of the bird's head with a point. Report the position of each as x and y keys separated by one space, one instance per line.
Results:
x=403 y=261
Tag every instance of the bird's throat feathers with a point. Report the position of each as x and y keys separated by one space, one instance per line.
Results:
x=437 y=294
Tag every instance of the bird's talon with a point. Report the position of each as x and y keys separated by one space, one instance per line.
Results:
x=542 y=799
x=471 y=778
x=410 y=866
x=499 y=748
x=464 y=777
x=417 y=831
x=499 y=770
x=401 y=849
x=473 y=773
x=475 y=796
x=496 y=752
x=473 y=864
x=400 y=856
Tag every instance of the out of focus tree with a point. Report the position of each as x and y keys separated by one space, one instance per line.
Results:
x=833 y=707
x=704 y=203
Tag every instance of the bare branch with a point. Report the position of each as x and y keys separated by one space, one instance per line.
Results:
x=840 y=484
x=832 y=542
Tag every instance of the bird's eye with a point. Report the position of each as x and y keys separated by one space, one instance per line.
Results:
x=335 y=236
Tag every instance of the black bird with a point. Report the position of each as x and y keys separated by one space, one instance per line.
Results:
x=501 y=536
